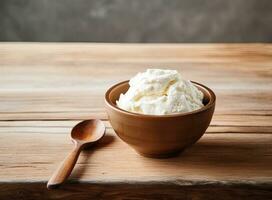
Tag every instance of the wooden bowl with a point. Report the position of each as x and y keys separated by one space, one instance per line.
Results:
x=159 y=136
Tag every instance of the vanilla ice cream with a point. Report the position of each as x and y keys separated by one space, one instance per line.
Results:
x=160 y=92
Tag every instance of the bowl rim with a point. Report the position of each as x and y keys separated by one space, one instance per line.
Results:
x=116 y=108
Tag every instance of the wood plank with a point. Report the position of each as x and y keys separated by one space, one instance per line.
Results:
x=70 y=88
x=88 y=101
x=43 y=81
x=205 y=191
x=217 y=120
x=222 y=158
x=60 y=126
x=33 y=66
x=40 y=53
x=74 y=104
x=70 y=77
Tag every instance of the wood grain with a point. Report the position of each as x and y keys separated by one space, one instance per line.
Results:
x=117 y=191
x=216 y=157
x=39 y=53
x=46 y=88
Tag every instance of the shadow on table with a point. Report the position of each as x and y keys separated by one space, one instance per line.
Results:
x=219 y=154
x=213 y=155
x=79 y=170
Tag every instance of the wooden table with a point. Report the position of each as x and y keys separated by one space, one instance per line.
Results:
x=45 y=89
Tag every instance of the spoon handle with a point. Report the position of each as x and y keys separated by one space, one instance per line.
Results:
x=65 y=169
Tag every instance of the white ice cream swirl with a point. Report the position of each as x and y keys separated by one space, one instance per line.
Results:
x=160 y=92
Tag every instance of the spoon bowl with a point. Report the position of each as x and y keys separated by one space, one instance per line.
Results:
x=88 y=131
x=84 y=134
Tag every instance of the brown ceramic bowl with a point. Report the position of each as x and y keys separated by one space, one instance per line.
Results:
x=159 y=135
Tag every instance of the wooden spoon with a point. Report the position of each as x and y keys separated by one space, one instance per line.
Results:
x=83 y=134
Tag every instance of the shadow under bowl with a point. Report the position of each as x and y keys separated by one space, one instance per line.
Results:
x=159 y=136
